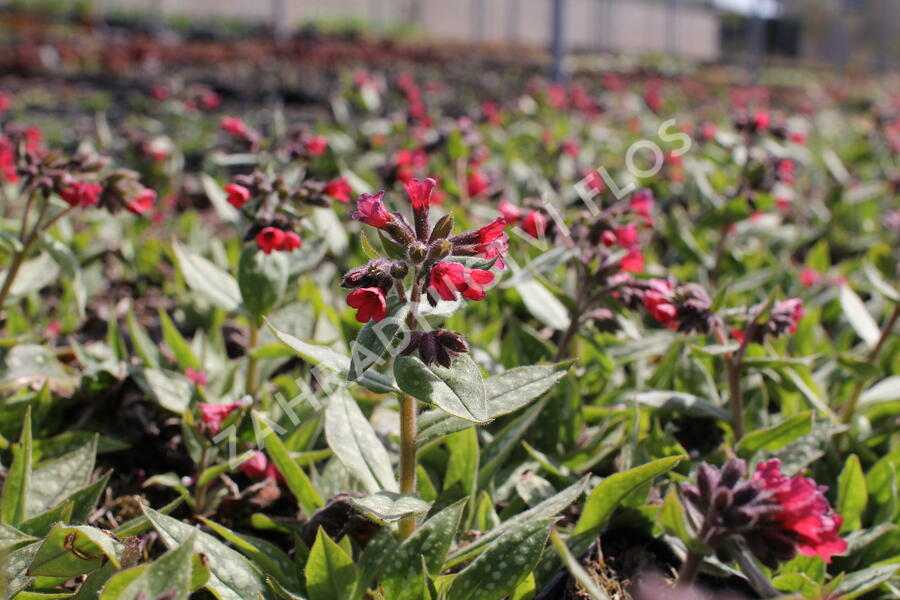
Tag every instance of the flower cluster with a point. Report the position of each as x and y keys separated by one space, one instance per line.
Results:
x=684 y=307
x=783 y=318
x=776 y=516
x=441 y=266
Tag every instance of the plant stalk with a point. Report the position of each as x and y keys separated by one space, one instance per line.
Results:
x=250 y=387
x=408 y=409
x=689 y=569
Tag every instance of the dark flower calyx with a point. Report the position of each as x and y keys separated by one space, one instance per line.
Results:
x=376 y=273
x=439 y=346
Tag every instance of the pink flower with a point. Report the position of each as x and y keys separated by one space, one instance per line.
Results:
x=570 y=148
x=270 y=239
x=238 y=195
x=213 y=415
x=338 y=189
x=627 y=236
x=8 y=161
x=805 y=514
x=658 y=302
x=259 y=468
x=594 y=182
x=708 y=131
x=607 y=238
x=510 y=211
x=797 y=137
x=160 y=92
x=369 y=303
x=477 y=184
x=761 y=121
x=633 y=262
x=492 y=241
x=198 y=377
x=809 y=277
x=642 y=202
x=317 y=145
x=234 y=126
x=142 y=202
x=793 y=307
x=450 y=278
x=491 y=231
x=420 y=192
x=535 y=224
x=291 y=242
x=4 y=102
x=371 y=211
x=82 y=193
x=210 y=100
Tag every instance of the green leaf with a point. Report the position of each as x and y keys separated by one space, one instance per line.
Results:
x=69 y=551
x=776 y=437
x=373 y=557
x=546 y=509
x=262 y=279
x=207 y=279
x=330 y=574
x=886 y=390
x=495 y=453
x=673 y=520
x=458 y=390
x=389 y=507
x=296 y=479
x=179 y=346
x=232 y=577
x=70 y=266
x=859 y=317
x=574 y=567
x=267 y=557
x=859 y=582
x=374 y=338
x=878 y=282
x=852 y=494
x=541 y=303
x=169 y=389
x=607 y=496
x=11 y=538
x=171 y=571
x=431 y=541
x=141 y=342
x=17 y=485
x=356 y=445
x=882 y=475
x=503 y=565
x=55 y=480
x=679 y=402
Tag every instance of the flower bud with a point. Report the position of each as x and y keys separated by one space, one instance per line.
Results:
x=399 y=270
x=417 y=253
x=442 y=228
x=439 y=250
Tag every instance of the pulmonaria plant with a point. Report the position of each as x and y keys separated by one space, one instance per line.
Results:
x=431 y=262
x=772 y=515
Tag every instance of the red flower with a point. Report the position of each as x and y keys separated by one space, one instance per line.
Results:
x=607 y=238
x=198 y=377
x=450 y=278
x=797 y=137
x=535 y=224
x=794 y=309
x=160 y=92
x=477 y=184
x=234 y=126
x=371 y=211
x=810 y=277
x=633 y=262
x=420 y=192
x=491 y=231
x=8 y=161
x=805 y=512
x=642 y=202
x=270 y=239
x=369 y=303
x=338 y=189
x=708 y=131
x=238 y=195
x=658 y=302
x=142 y=202
x=510 y=211
x=210 y=100
x=259 y=468
x=4 y=102
x=82 y=193
x=627 y=236
x=492 y=241
x=569 y=147
x=317 y=145
x=594 y=182
x=761 y=121
x=291 y=242
x=212 y=415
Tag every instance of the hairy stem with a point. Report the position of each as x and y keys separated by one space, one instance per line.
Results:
x=250 y=387
x=408 y=449
x=850 y=407
x=689 y=569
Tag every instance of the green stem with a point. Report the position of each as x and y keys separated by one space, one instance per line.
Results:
x=850 y=407
x=689 y=569
x=200 y=493
x=408 y=449
x=250 y=387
